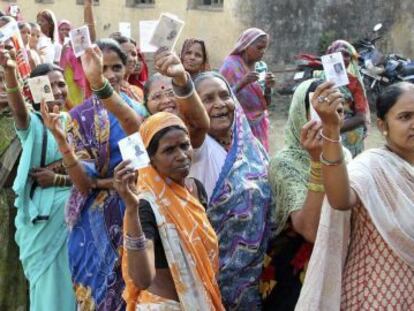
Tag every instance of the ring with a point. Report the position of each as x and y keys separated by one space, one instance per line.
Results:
x=326 y=99
x=321 y=99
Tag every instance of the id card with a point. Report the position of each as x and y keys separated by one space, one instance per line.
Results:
x=167 y=31
x=132 y=148
x=41 y=89
x=334 y=68
x=80 y=39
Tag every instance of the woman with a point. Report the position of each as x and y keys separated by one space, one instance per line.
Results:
x=25 y=32
x=94 y=211
x=296 y=179
x=42 y=191
x=48 y=46
x=131 y=51
x=194 y=56
x=239 y=69
x=357 y=116
x=233 y=168
x=365 y=261
x=64 y=27
x=165 y=212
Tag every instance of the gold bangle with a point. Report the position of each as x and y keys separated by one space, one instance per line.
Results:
x=12 y=89
x=316 y=187
x=334 y=141
x=315 y=164
x=69 y=165
x=55 y=179
x=331 y=163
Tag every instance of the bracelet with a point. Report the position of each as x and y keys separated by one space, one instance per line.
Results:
x=55 y=179
x=12 y=90
x=316 y=187
x=335 y=141
x=315 y=164
x=135 y=243
x=104 y=92
x=69 y=165
x=331 y=163
x=316 y=174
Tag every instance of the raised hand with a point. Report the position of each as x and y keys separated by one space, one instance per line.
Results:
x=270 y=80
x=124 y=182
x=169 y=64
x=52 y=121
x=6 y=60
x=92 y=64
x=328 y=102
x=311 y=140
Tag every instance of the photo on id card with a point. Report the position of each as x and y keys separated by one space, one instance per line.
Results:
x=132 y=148
x=167 y=31
x=80 y=40
x=41 y=89
x=334 y=68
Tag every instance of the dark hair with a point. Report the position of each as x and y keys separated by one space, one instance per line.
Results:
x=44 y=69
x=111 y=45
x=147 y=85
x=188 y=43
x=387 y=99
x=49 y=16
x=153 y=145
x=120 y=38
x=23 y=24
x=34 y=25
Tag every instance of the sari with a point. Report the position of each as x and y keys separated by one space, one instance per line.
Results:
x=251 y=97
x=95 y=220
x=239 y=210
x=385 y=187
x=41 y=233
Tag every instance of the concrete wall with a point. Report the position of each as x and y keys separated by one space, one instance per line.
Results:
x=220 y=28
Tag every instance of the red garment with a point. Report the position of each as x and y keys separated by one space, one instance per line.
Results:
x=360 y=100
x=139 y=80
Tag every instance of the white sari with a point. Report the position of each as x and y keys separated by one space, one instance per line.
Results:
x=384 y=183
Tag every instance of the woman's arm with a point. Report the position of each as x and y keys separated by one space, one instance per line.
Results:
x=89 y=19
x=92 y=63
x=306 y=220
x=141 y=261
x=335 y=175
x=14 y=96
x=191 y=107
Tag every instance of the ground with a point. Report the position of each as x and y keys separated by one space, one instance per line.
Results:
x=278 y=117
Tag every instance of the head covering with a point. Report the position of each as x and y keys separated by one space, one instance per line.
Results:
x=247 y=38
x=188 y=43
x=156 y=123
x=345 y=46
x=63 y=22
x=51 y=19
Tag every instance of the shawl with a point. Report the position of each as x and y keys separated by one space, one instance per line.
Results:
x=246 y=39
x=63 y=22
x=384 y=184
x=239 y=212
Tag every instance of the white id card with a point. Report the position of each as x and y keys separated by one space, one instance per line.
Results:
x=80 y=40
x=132 y=148
x=167 y=31
x=334 y=68
x=41 y=89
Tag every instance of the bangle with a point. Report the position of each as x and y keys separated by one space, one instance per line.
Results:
x=11 y=90
x=55 y=179
x=332 y=163
x=316 y=187
x=69 y=165
x=135 y=243
x=335 y=141
x=315 y=164
x=104 y=92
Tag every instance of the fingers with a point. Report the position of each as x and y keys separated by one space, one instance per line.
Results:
x=324 y=87
x=121 y=165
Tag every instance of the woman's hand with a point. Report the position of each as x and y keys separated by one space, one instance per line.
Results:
x=92 y=64
x=326 y=100
x=169 y=64
x=43 y=176
x=249 y=78
x=52 y=121
x=270 y=80
x=311 y=140
x=124 y=183
x=5 y=59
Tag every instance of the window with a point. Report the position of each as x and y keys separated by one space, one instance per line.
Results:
x=82 y=2
x=213 y=3
x=210 y=5
x=140 y=3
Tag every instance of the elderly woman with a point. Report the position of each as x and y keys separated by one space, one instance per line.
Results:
x=166 y=224
x=240 y=70
x=233 y=167
x=194 y=56
x=364 y=252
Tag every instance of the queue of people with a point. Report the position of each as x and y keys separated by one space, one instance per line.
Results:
x=213 y=222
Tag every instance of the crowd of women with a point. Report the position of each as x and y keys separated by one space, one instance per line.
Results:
x=212 y=223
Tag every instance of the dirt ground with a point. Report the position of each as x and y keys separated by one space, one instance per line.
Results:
x=278 y=112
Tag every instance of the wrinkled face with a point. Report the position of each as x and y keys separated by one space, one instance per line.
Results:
x=161 y=97
x=45 y=27
x=59 y=89
x=64 y=30
x=131 y=51
x=25 y=32
x=113 y=69
x=174 y=155
x=399 y=123
x=34 y=37
x=193 y=58
x=256 y=50
x=219 y=105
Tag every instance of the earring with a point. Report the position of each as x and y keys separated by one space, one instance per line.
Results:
x=385 y=133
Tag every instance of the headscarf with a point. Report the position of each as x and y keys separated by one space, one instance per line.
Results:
x=51 y=19
x=63 y=22
x=247 y=38
x=177 y=207
x=188 y=43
